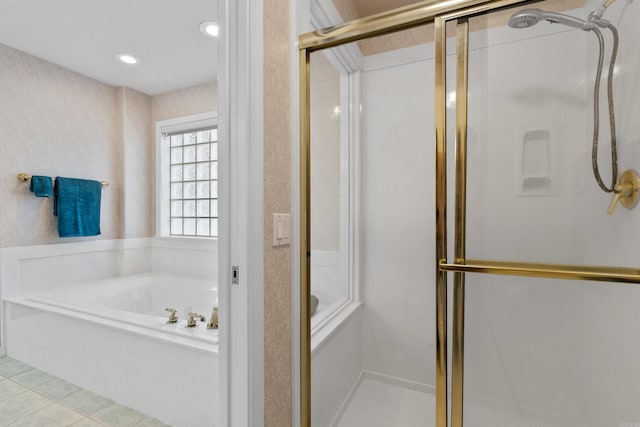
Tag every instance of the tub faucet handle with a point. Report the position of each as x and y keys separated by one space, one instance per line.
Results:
x=213 y=323
x=173 y=317
x=193 y=319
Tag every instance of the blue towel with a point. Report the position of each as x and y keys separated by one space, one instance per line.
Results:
x=41 y=186
x=77 y=206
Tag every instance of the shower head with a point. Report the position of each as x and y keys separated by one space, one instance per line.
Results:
x=530 y=17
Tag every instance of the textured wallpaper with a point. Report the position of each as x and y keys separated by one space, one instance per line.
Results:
x=136 y=211
x=58 y=122
x=351 y=9
x=277 y=199
x=185 y=102
x=325 y=154
x=180 y=103
x=54 y=122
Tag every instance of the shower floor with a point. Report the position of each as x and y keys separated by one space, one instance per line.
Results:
x=378 y=404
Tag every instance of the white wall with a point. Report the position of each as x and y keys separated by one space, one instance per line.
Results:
x=509 y=320
x=336 y=365
x=190 y=257
x=609 y=366
x=397 y=250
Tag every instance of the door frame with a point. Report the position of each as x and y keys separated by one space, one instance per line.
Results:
x=240 y=121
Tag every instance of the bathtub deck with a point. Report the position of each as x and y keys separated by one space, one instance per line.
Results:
x=30 y=397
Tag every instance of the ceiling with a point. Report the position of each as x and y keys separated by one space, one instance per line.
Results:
x=84 y=35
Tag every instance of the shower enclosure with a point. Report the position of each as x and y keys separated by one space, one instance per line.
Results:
x=473 y=128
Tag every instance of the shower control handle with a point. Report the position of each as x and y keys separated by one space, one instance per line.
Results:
x=626 y=191
x=617 y=195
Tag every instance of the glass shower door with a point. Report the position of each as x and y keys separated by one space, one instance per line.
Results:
x=529 y=348
x=372 y=336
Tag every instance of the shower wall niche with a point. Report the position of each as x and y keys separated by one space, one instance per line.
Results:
x=536 y=162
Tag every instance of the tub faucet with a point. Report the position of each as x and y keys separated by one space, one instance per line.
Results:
x=173 y=318
x=213 y=323
x=193 y=320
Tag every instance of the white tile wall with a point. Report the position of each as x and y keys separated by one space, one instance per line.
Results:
x=397 y=250
x=335 y=368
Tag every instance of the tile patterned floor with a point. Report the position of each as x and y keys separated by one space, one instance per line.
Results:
x=32 y=398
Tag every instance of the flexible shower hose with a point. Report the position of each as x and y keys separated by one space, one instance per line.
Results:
x=596 y=111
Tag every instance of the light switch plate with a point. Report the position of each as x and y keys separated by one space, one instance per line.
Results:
x=281 y=229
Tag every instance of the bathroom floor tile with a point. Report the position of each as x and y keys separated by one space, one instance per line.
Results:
x=118 y=416
x=10 y=367
x=54 y=415
x=19 y=406
x=151 y=422
x=30 y=397
x=86 y=402
x=87 y=422
x=57 y=389
x=33 y=377
x=10 y=389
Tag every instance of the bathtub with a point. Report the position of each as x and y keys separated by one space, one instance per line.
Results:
x=111 y=337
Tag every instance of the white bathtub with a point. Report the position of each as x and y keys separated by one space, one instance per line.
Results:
x=110 y=337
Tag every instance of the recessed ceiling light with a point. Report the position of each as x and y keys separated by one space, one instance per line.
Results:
x=127 y=58
x=209 y=28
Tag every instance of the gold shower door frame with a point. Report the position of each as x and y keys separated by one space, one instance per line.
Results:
x=439 y=13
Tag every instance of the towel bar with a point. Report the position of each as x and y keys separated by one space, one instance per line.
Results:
x=27 y=177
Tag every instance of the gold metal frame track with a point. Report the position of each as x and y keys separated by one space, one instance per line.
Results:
x=548 y=271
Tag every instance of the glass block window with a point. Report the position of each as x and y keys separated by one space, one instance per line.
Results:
x=193 y=176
